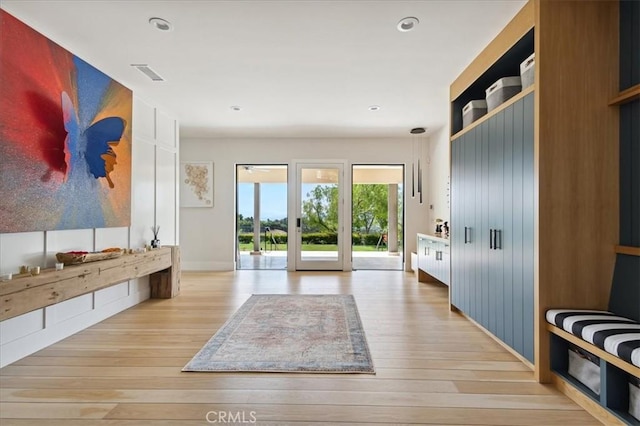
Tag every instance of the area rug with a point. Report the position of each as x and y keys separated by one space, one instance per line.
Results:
x=289 y=333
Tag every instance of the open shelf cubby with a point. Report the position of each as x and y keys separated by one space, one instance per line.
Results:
x=507 y=66
x=614 y=382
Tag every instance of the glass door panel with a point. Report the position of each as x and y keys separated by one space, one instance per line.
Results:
x=319 y=217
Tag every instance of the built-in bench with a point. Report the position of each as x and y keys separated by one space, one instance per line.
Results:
x=604 y=346
x=614 y=334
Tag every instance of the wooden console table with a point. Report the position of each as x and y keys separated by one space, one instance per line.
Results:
x=27 y=293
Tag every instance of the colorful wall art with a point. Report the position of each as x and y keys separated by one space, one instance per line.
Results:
x=65 y=137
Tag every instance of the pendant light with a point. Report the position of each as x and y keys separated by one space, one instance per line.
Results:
x=418 y=176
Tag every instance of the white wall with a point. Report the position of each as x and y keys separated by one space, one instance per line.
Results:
x=207 y=240
x=154 y=194
x=438 y=177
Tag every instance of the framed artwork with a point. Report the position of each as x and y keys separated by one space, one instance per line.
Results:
x=196 y=184
x=65 y=137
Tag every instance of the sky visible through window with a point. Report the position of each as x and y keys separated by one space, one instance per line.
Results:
x=273 y=199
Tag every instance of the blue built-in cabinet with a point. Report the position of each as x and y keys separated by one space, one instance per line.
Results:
x=492 y=198
x=629 y=125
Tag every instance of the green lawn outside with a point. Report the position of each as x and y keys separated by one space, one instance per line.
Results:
x=306 y=247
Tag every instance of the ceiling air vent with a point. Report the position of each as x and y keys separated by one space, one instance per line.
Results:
x=144 y=69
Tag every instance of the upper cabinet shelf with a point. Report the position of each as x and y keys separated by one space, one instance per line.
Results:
x=484 y=118
x=625 y=96
x=501 y=58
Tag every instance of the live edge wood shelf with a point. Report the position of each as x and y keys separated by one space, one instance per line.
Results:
x=25 y=294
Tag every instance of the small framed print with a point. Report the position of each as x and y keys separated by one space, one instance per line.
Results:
x=196 y=184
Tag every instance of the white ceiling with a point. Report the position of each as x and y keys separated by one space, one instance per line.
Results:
x=297 y=68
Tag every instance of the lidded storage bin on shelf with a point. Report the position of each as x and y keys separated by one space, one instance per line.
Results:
x=527 y=71
x=502 y=90
x=472 y=111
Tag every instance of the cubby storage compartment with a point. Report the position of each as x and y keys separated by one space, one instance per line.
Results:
x=634 y=397
x=616 y=393
x=507 y=65
x=584 y=367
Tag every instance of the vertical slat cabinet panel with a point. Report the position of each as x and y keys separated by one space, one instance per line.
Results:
x=499 y=209
x=518 y=243
x=507 y=227
x=457 y=226
x=476 y=227
x=528 y=229
x=495 y=263
x=483 y=228
x=468 y=161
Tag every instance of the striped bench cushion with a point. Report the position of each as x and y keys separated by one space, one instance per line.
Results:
x=614 y=334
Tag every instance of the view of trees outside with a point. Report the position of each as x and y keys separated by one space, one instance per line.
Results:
x=320 y=219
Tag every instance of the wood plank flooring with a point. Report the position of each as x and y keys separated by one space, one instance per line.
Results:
x=433 y=366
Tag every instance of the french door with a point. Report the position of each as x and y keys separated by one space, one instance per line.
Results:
x=319 y=213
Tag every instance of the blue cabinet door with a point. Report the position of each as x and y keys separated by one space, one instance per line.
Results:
x=495 y=208
x=492 y=247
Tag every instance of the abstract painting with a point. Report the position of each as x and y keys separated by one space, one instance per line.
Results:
x=65 y=137
x=196 y=184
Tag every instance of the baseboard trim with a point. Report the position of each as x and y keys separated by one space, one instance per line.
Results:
x=500 y=342
x=207 y=266
x=590 y=406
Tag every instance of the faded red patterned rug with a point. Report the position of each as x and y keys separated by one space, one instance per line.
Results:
x=289 y=333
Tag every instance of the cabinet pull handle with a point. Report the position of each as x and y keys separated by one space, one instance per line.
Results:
x=465 y=235
x=491 y=239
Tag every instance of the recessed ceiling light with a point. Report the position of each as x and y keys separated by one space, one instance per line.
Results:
x=407 y=24
x=236 y=108
x=160 y=24
x=374 y=108
x=417 y=130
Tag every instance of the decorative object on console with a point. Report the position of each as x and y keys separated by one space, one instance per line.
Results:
x=76 y=257
x=438 y=227
x=196 y=184
x=65 y=137
x=155 y=243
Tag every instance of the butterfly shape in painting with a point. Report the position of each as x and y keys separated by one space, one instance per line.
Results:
x=90 y=151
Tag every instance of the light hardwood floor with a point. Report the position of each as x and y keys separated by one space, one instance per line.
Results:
x=433 y=366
